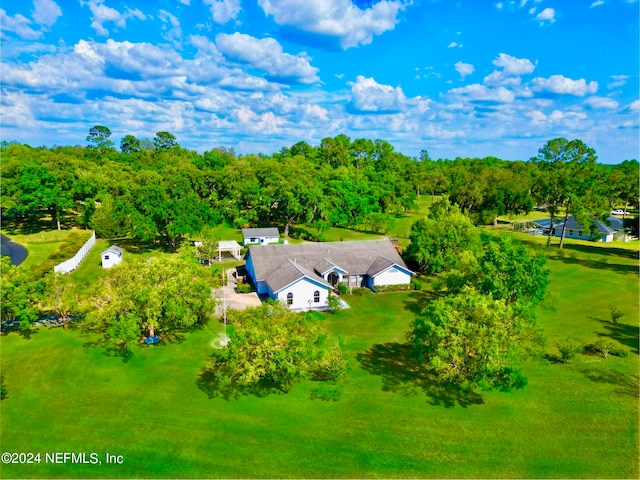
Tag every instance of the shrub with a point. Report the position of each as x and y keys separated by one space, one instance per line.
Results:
x=394 y=288
x=342 y=288
x=242 y=287
x=568 y=348
x=604 y=348
x=360 y=291
x=417 y=284
x=334 y=303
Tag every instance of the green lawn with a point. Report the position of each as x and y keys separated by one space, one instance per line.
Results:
x=400 y=229
x=39 y=245
x=64 y=394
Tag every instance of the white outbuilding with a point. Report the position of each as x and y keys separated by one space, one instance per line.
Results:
x=111 y=256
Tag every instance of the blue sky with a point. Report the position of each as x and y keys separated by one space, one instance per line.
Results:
x=458 y=78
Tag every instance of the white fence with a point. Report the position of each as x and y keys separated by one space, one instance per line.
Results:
x=71 y=264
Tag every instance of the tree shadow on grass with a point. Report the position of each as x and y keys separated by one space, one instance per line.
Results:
x=125 y=354
x=627 y=335
x=211 y=385
x=26 y=225
x=625 y=384
x=603 y=264
x=25 y=333
x=403 y=375
x=419 y=299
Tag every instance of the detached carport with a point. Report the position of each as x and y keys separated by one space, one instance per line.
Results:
x=230 y=246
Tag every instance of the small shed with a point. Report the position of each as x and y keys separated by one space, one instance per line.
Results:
x=111 y=256
x=260 y=236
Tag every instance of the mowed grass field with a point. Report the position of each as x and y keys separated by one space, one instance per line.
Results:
x=64 y=394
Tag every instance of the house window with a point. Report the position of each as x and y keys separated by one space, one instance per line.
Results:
x=106 y=257
x=289 y=298
x=316 y=297
x=571 y=232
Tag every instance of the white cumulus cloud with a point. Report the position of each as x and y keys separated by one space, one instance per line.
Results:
x=223 y=10
x=19 y=24
x=267 y=54
x=341 y=19
x=46 y=12
x=171 y=27
x=546 y=15
x=565 y=86
x=481 y=93
x=464 y=69
x=514 y=66
x=369 y=96
x=602 y=102
x=101 y=14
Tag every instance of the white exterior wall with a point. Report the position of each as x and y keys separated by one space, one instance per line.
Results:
x=303 y=291
x=73 y=263
x=391 y=276
x=606 y=238
x=580 y=235
x=260 y=240
x=577 y=234
x=114 y=259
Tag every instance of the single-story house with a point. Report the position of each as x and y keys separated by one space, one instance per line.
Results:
x=262 y=236
x=111 y=256
x=302 y=276
x=612 y=229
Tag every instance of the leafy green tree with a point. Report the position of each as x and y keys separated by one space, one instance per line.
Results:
x=291 y=193
x=503 y=269
x=98 y=138
x=130 y=144
x=472 y=340
x=208 y=250
x=37 y=188
x=271 y=347
x=156 y=297
x=438 y=241
x=622 y=183
x=568 y=178
x=164 y=141
x=107 y=220
x=61 y=297
x=21 y=293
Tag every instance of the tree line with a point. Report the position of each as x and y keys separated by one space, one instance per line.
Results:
x=155 y=189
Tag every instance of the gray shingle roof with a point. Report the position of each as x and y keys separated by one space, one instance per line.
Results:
x=615 y=223
x=379 y=265
x=113 y=249
x=572 y=224
x=324 y=265
x=288 y=272
x=260 y=232
x=356 y=257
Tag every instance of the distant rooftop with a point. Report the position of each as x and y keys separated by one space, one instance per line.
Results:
x=260 y=232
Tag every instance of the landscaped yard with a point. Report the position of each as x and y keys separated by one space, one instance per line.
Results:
x=64 y=394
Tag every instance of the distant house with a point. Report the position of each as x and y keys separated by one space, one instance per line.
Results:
x=111 y=256
x=302 y=276
x=612 y=229
x=262 y=236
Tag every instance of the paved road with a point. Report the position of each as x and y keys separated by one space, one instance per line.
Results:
x=17 y=253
